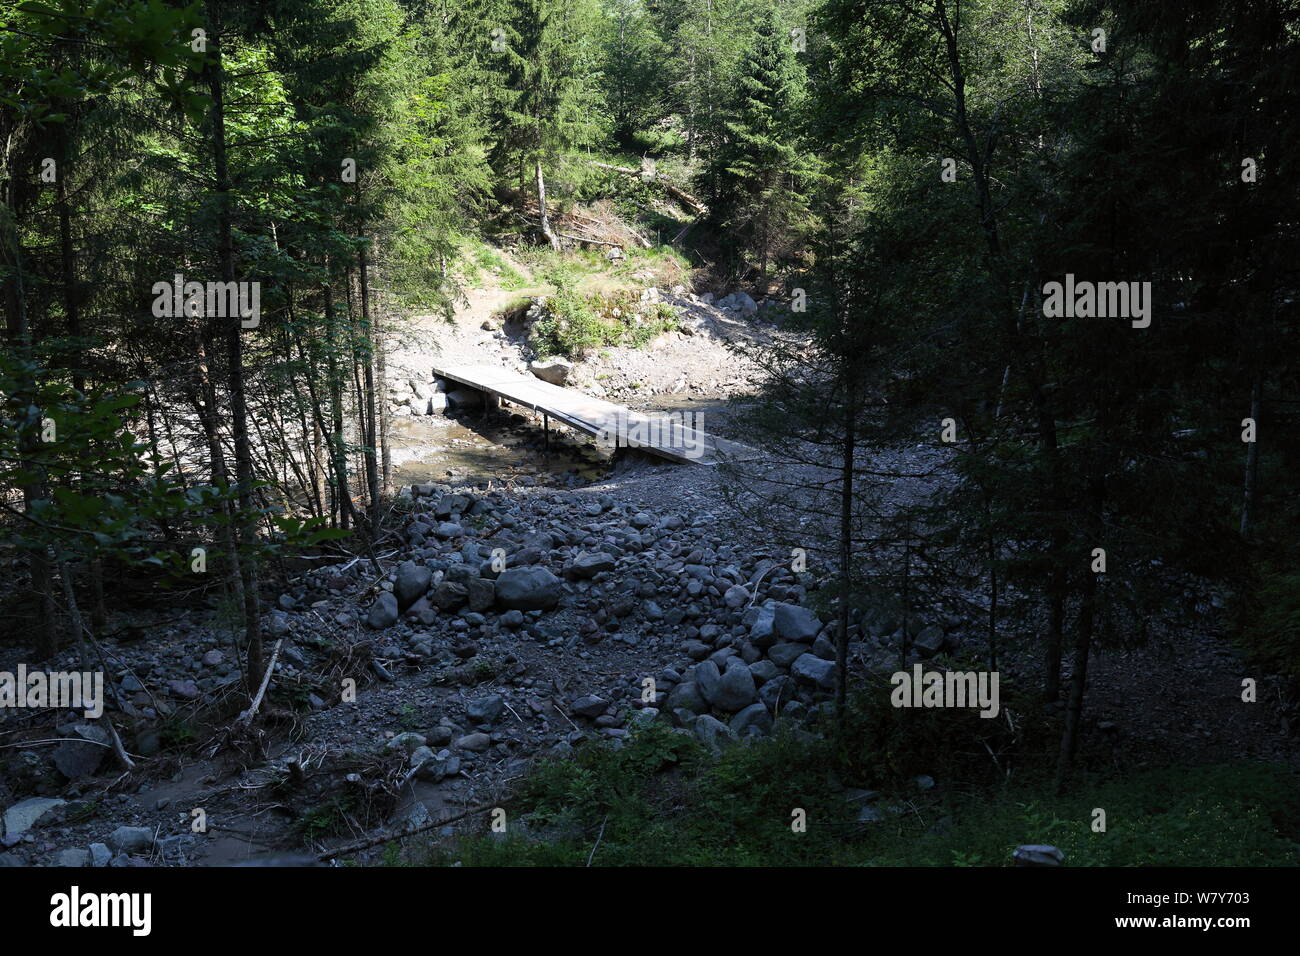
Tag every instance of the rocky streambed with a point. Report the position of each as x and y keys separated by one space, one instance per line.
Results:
x=509 y=625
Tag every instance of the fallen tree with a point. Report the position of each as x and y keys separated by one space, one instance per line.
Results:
x=672 y=189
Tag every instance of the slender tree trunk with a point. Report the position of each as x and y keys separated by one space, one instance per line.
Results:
x=1083 y=647
x=368 y=368
x=551 y=237
x=234 y=349
x=1252 y=458
x=342 y=494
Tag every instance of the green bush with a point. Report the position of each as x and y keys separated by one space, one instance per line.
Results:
x=572 y=324
x=1272 y=632
x=663 y=800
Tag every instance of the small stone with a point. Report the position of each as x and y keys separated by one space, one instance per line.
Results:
x=486 y=710
x=131 y=839
x=589 y=706
x=383 y=613
x=1037 y=855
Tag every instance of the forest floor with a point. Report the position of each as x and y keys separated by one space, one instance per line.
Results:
x=1176 y=700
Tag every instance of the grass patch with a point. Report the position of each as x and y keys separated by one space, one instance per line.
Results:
x=662 y=800
x=575 y=324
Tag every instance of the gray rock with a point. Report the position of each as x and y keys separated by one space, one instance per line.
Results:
x=448 y=595
x=589 y=565
x=755 y=715
x=589 y=706
x=762 y=632
x=929 y=642
x=735 y=596
x=383 y=613
x=763 y=671
x=556 y=370
x=25 y=814
x=486 y=710
x=710 y=730
x=474 y=742
x=184 y=689
x=131 y=839
x=100 y=854
x=76 y=759
x=412 y=581
x=482 y=593
x=776 y=693
x=1037 y=855
x=528 y=589
x=706 y=677
x=73 y=857
x=686 y=696
x=794 y=623
x=784 y=655
x=811 y=669
x=735 y=689
x=408 y=741
x=824 y=648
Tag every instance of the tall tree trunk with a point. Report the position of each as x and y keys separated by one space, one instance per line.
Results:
x=342 y=494
x=1252 y=457
x=551 y=237
x=234 y=350
x=368 y=369
x=1083 y=647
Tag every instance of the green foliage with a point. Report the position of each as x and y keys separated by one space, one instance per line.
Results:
x=573 y=324
x=1272 y=632
x=661 y=801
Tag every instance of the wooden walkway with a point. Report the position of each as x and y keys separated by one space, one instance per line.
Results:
x=668 y=435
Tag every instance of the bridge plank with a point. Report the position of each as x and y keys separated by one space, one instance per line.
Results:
x=594 y=416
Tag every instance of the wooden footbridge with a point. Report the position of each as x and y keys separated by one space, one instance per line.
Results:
x=677 y=436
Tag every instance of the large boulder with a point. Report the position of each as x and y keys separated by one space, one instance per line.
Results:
x=811 y=669
x=711 y=731
x=753 y=716
x=686 y=696
x=762 y=630
x=785 y=654
x=482 y=593
x=449 y=595
x=25 y=814
x=555 y=370
x=528 y=589
x=412 y=581
x=795 y=623
x=706 y=678
x=77 y=758
x=736 y=689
